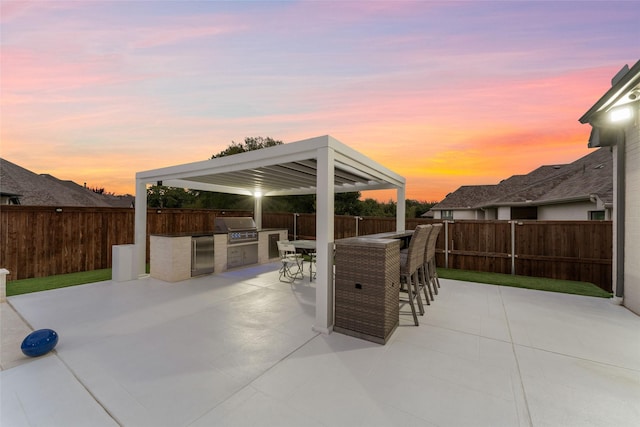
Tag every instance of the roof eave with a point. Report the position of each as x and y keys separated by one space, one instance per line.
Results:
x=466 y=208
x=559 y=201
x=613 y=95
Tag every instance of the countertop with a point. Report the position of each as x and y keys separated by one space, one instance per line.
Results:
x=207 y=233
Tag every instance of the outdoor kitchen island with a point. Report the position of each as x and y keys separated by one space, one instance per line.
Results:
x=235 y=243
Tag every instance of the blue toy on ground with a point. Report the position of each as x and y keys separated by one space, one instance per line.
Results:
x=39 y=342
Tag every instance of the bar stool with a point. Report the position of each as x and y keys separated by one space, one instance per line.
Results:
x=430 y=271
x=411 y=262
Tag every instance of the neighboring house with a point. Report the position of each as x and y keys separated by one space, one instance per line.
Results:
x=615 y=122
x=19 y=186
x=9 y=198
x=582 y=190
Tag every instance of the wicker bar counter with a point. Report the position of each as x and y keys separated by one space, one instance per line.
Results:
x=367 y=286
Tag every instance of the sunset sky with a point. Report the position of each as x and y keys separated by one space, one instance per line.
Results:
x=443 y=93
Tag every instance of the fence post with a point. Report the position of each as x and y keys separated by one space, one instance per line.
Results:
x=513 y=247
x=358 y=219
x=446 y=244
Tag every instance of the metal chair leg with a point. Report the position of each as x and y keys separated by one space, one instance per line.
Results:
x=434 y=275
x=413 y=307
x=426 y=273
x=416 y=289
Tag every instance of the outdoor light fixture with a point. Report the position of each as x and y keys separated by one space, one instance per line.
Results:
x=620 y=114
x=258 y=194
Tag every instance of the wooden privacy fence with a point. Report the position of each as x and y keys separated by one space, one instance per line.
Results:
x=38 y=241
x=569 y=250
x=303 y=226
x=42 y=241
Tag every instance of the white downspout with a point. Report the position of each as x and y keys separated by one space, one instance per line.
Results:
x=619 y=212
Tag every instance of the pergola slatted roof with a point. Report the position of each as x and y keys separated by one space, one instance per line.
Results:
x=277 y=171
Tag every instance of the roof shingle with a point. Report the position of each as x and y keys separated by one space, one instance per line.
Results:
x=587 y=176
x=47 y=190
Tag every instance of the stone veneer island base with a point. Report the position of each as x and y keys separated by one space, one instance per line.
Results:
x=170 y=255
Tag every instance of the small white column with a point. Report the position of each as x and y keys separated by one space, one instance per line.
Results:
x=123 y=263
x=3 y=284
x=140 y=230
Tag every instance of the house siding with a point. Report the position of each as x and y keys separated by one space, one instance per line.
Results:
x=464 y=214
x=504 y=212
x=491 y=214
x=632 y=218
x=566 y=212
x=457 y=214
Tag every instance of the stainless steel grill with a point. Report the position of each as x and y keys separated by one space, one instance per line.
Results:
x=238 y=229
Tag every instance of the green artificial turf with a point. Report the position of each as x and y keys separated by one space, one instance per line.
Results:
x=538 y=283
x=24 y=286
x=37 y=284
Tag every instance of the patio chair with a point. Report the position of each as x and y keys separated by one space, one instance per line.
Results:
x=291 y=268
x=411 y=262
x=313 y=268
x=431 y=272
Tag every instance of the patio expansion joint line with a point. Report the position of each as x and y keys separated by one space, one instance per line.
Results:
x=515 y=356
x=259 y=376
x=93 y=396
x=584 y=359
x=15 y=310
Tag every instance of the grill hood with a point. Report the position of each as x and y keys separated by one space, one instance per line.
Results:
x=228 y=224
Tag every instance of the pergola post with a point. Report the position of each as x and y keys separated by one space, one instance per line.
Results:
x=140 y=227
x=325 y=180
x=257 y=211
x=401 y=209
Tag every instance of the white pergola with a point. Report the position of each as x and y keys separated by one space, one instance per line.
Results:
x=322 y=166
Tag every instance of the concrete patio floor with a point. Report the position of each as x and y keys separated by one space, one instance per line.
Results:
x=237 y=349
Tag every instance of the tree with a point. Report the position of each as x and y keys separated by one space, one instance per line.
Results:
x=160 y=196
x=301 y=203
x=250 y=144
x=347 y=203
x=416 y=208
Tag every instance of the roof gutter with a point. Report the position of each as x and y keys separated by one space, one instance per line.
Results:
x=582 y=198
